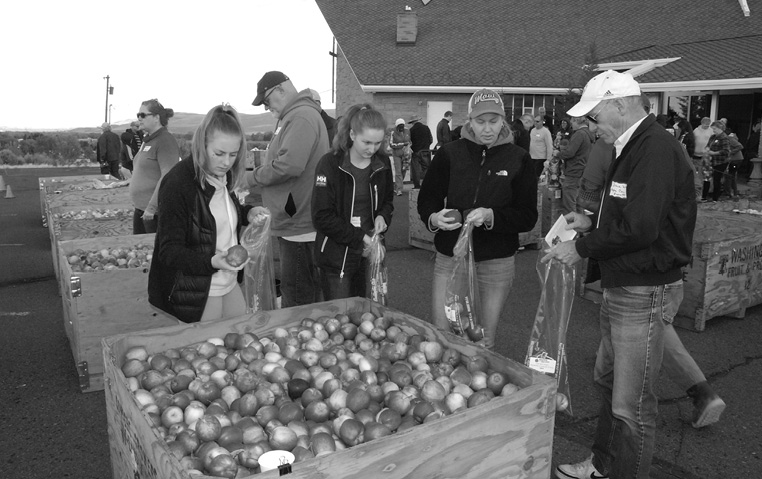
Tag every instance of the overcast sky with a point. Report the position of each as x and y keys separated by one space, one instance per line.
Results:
x=189 y=54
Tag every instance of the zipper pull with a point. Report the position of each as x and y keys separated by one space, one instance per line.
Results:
x=484 y=156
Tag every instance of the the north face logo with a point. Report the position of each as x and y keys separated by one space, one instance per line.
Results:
x=321 y=180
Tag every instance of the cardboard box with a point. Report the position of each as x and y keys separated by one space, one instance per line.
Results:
x=506 y=437
x=103 y=303
x=420 y=237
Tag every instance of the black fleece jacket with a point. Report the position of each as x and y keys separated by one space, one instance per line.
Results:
x=466 y=175
x=333 y=203
x=648 y=212
x=186 y=239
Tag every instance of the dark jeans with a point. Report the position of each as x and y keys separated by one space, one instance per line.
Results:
x=718 y=173
x=539 y=166
x=141 y=226
x=418 y=167
x=299 y=276
x=353 y=283
x=111 y=168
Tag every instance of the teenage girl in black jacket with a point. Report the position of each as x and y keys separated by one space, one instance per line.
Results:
x=201 y=219
x=351 y=201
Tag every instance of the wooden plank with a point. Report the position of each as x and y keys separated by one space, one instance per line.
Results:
x=507 y=437
x=111 y=302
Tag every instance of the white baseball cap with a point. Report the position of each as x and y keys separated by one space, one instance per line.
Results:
x=604 y=86
x=399 y=122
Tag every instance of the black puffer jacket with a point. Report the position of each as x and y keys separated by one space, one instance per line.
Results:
x=181 y=268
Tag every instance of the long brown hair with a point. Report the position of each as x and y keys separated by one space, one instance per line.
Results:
x=220 y=119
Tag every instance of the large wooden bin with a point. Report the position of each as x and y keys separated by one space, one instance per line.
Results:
x=71 y=229
x=508 y=437
x=725 y=274
x=52 y=184
x=420 y=237
x=103 y=303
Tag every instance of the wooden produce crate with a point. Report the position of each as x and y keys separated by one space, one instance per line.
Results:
x=725 y=274
x=507 y=437
x=120 y=195
x=420 y=237
x=51 y=184
x=71 y=229
x=103 y=303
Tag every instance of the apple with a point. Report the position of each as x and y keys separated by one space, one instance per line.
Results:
x=496 y=381
x=236 y=255
x=433 y=391
x=223 y=465
x=208 y=428
x=172 y=415
x=432 y=350
x=322 y=443
x=455 y=402
x=509 y=389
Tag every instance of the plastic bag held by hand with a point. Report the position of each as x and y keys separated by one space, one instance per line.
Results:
x=546 y=352
x=379 y=279
x=259 y=272
x=462 y=305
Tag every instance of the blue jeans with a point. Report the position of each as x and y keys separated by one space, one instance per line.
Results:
x=632 y=322
x=299 y=279
x=570 y=191
x=494 y=277
x=353 y=283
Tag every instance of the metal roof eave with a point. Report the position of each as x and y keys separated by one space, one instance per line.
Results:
x=703 y=85
x=458 y=89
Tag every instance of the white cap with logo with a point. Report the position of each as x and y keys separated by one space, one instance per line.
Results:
x=605 y=86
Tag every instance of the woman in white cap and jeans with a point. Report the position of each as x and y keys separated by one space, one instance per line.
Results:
x=492 y=183
x=400 y=143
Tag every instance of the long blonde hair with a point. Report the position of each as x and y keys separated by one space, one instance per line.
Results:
x=220 y=119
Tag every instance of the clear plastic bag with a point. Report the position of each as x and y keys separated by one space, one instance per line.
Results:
x=259 y=272
x=462 y=305
x=547 y=343
x=379 y=278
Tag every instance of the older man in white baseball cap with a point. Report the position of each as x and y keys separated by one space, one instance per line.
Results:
x=642 y=239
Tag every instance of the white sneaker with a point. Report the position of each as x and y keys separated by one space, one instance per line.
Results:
x=582 y=470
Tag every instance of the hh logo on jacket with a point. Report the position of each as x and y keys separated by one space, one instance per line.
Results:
x=321 y=180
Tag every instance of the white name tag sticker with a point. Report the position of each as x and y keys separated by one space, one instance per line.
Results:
x=356 y=221
x=618 y=190
x=146 y=147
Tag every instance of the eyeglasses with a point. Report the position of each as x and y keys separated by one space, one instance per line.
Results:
x=142 y=115
x=593 y=118
x=266 y=99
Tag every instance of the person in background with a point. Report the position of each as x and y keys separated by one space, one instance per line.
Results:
x=540 y=144
x=443 y=130
x=547 y=120
x=400 y=143
x=718 y=152
x=492 y=183
x=108 y=150
x=752 y=147
x=564 y=133
x=701 y=136
x=420 y=137
x=521 y=128
x=455 y=133
x=686 y=137
x=157 y=155
x=642 y=240
x=352 y=201
x=286 y=177
x=330 y=122
x=573 y=159
x=730 y=184
x=201 y=218
x=132 y=139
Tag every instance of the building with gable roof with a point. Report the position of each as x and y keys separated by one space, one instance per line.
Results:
x=407 y=57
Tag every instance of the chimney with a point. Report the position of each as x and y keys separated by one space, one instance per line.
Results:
x=407 y=27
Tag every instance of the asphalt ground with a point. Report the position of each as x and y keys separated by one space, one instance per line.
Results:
x=48 y=428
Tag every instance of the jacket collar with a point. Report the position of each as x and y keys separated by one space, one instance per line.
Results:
x=376 y=163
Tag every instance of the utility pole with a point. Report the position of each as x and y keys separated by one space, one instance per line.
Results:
x=109 y=113
x=106 y=113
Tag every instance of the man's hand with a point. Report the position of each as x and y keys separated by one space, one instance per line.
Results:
x=578 y=222
x=565 y=252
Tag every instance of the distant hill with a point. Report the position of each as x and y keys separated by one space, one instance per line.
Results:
x=183 y=123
